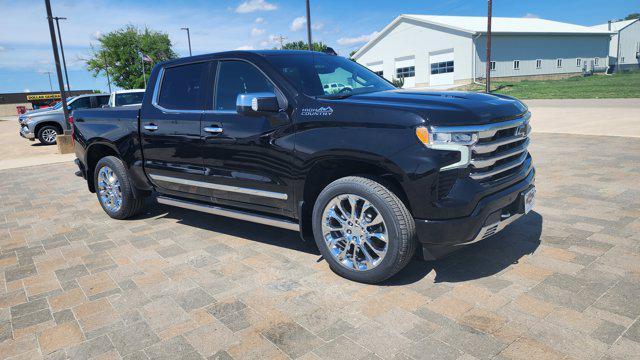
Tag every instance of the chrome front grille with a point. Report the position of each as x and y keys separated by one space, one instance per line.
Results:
x=500 y=149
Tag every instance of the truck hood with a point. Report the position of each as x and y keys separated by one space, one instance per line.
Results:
x=447 y=108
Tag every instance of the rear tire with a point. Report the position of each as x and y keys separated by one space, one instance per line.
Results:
x=375 y=225
x=114 y=190
x=48 y=134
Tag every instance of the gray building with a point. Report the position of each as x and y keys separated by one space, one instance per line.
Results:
x=624 y=49
x=442 y=50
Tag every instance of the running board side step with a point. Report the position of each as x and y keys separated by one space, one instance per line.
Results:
x=231 y=213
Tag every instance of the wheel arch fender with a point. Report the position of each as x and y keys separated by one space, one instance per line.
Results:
x=332 y=165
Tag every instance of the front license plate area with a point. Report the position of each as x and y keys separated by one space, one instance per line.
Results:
x=529 y=199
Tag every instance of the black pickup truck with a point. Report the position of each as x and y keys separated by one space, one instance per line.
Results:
x=368 y=170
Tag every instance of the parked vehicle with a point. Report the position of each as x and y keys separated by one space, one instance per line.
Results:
x=371 y=173
x=126 y=97
x=47 y=124
x=334 y=88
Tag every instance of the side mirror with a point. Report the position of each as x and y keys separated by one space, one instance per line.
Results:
x=257 y=104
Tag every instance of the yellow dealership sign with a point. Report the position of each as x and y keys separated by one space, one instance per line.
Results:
x=43 y=97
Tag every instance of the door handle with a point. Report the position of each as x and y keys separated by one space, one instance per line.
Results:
x=151 y=127
x=214 y=129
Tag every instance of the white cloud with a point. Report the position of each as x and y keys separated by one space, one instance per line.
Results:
x=264 y=43
x=298 y=23
x=531 y=16
x=257 y=32
x=245 y=47
x=357 y=39
x=2 y=48
x=255 y=5
x=26 y=90
x=259 y=20
x=96 y=35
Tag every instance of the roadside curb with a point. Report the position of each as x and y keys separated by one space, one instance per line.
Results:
x=35 y=161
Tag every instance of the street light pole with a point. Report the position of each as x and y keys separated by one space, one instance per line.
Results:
x=188 y=38
x=309 y=27
x=488 y=69
x=56 y=58
x=64 y=61
x=50 y=85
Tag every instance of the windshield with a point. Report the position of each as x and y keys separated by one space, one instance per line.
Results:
x=129 y=98
x=327 y=76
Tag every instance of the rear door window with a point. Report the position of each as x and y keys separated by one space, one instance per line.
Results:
x=181 y=87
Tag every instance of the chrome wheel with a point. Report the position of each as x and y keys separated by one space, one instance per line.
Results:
x=109 y=189
x=355 y=232
x=49 y=135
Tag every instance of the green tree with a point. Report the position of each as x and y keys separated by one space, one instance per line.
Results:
x=302 y=45
x=121 y=53
x=633 y=16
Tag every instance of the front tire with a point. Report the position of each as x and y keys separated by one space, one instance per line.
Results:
x=363 y=230
x=114 y=190
x=48 y=134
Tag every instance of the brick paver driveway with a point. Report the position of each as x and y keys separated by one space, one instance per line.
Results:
x=563 y=282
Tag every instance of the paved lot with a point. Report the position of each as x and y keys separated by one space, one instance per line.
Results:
x=563 y=282
x=617 y=117
x=17 y=152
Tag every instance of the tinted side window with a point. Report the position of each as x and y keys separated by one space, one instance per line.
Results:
x=238 y=77
x=101 y=100
x=181 y=87
x=81 y=103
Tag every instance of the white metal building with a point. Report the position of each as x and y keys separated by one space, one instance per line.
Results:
x=441 y=50
x=624 y=49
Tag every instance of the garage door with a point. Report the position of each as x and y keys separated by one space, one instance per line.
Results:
x=406 y=69
x=442 y=67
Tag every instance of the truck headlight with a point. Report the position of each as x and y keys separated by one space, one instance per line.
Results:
x=460 y=141
x=435 y=139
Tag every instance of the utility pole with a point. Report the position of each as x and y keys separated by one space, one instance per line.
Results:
x=56 y=58
x=488 y=90
x=50 y=85
x=309 y=27
x=188 y=38
x=64 y=61
x=281 y=39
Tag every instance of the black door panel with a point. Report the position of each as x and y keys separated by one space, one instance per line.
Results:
x=247 y=159
x=171 y=129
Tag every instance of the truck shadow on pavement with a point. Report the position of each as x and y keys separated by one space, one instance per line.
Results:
x=482 y=259
x=479 y=260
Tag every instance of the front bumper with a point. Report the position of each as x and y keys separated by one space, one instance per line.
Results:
x=491 y=215
x=26 y=133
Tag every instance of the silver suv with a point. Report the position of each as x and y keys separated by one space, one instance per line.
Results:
x=46 y=124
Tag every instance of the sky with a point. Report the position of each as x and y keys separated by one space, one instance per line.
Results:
x=217 y=25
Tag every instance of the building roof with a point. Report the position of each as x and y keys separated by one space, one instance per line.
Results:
x=615 y=26
x=500 y=25
x=478 y=24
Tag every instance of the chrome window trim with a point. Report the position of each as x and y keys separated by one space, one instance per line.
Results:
x=228 y=188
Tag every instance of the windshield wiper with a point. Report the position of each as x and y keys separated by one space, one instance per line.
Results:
x=337 y=96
